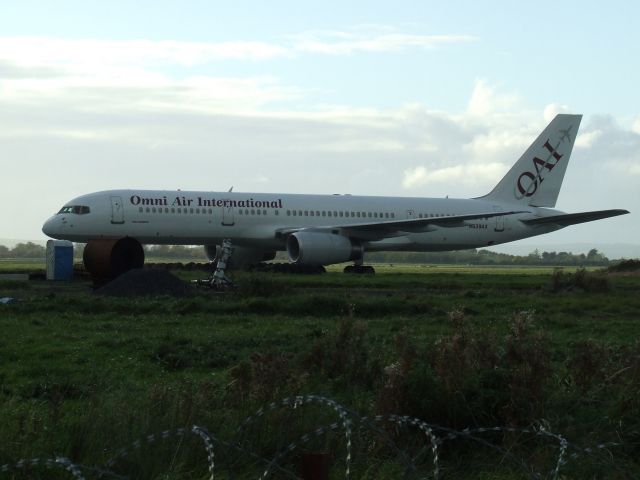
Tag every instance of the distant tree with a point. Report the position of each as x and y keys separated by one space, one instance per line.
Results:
x=594 y=257
x=535 y=254
x=4 y=251
x=27 y=250
x=173 y=252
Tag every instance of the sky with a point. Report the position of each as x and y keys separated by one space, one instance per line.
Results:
x=396 y=98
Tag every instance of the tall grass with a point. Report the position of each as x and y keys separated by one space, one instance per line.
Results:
x=81 y=375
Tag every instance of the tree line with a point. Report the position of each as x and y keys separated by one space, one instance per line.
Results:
x=487 y=257
x=463 y=257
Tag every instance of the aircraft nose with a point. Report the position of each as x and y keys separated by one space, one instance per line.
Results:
x=49 y=228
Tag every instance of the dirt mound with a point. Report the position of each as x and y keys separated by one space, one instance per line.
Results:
x=142 y=282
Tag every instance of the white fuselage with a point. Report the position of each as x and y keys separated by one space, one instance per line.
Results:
x=255 y=219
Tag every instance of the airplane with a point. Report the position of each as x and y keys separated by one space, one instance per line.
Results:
x=322 y=230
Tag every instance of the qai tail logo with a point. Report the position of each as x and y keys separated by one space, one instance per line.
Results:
x=528 y=182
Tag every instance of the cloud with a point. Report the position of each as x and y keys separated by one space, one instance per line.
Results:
x=346 y=43
x=484 y=100
x=110 y=118
x=587 y=139
x=47 y=51
x=160 y=75
x=467 y=174
x=93 y=53
x=553 y=109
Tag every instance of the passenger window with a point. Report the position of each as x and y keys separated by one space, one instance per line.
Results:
x=328 y=214
x=299 y=213
x=358 y=214
x=288 y=213
x=312 y=213
x=317 y=213
x=276 y=212
x=253 y=212
x=140 y=209
x=324 y=214
x=386 y=215
x=369 y=214
x=264 y=212
x=259 y=212
x=335 y=214
x=393 y=215
x=306 y=213
x=295 y=213
x=375 y=214
x=191 y=210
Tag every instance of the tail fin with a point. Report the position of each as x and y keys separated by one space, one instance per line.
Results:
x=537 y=176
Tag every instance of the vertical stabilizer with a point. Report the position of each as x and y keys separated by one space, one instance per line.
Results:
x=537 y=176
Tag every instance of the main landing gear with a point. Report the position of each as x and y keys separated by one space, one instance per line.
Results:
x=361 y=269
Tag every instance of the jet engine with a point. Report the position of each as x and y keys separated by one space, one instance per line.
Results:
x=241 y=256
x=316 y=248
x=107 y=259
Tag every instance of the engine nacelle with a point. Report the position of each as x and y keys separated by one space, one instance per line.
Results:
x=241 y=256
x=315 y=248
x=107 y=259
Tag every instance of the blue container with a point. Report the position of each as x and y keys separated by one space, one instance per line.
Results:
x=59 y=260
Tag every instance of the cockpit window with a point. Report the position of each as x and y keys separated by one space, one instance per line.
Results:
x=76 y=209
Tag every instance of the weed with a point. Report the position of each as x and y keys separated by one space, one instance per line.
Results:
x=581 y=280
x=527 y=358
x=587 y=364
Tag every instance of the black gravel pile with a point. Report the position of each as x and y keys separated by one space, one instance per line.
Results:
x=143 y=282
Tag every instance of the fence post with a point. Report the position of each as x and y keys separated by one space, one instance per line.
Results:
x=315 y=466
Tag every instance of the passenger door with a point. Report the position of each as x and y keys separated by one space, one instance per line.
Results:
x=117 y=211
x=228 y=215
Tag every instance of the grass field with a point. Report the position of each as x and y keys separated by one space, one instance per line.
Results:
x=81 y=374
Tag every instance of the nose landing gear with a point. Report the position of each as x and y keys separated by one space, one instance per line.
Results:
x=218 y=279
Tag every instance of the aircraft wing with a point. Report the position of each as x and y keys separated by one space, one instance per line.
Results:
x=574 y=218
x=371 y=230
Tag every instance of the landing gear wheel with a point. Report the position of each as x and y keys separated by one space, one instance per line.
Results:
x=361 y=269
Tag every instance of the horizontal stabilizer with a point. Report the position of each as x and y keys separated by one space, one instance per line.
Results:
x=574 y=218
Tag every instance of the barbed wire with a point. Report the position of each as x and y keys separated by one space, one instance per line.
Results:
x=435 y=435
